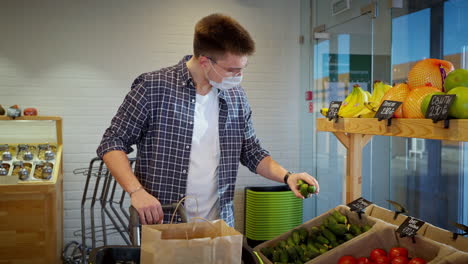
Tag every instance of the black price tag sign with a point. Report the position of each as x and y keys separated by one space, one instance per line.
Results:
x=333 y=110
x=409 y=227
x=359 y=204
x=439 y=106
x=386 y=109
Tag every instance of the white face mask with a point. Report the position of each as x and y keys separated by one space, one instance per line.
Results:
x=227 y=82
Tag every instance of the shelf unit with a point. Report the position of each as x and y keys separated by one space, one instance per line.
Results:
x=355 y=133
x=31 y=213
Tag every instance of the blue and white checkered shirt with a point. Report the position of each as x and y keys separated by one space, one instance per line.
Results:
x=158 y=114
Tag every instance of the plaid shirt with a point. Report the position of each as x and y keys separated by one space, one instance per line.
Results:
x=158 y=114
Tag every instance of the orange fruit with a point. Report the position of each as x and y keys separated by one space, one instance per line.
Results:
x=399 y=92
x=412 y=104
x=429 y=72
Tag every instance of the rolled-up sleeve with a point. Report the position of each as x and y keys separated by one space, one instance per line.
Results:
x=252 y=152
x=129 y=123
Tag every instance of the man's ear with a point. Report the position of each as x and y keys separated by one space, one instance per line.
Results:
x=204 y=61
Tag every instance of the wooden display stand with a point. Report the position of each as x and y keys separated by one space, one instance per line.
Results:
x=31 y=213
x=355 y=133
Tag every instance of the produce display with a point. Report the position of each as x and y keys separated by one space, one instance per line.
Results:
x=396 y=255
x=28 y=162
x=426 y=78
x=319 y=241
x=305 y=244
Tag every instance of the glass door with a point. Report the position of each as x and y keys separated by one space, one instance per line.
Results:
x=429 y=176
x=359 y=46
x=343 y=49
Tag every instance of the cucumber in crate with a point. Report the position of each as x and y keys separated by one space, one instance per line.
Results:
x=315 y=237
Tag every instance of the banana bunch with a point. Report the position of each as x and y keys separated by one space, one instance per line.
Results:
x=373 y=104
x=324 y=111
x=380 y=88
x=360 y=103
x=353 y=105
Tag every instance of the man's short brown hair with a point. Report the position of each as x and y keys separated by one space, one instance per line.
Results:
x=217 y=34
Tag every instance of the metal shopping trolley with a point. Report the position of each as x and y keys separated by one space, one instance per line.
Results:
x=106 y=212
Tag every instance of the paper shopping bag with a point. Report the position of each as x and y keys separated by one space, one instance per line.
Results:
x=196 y=242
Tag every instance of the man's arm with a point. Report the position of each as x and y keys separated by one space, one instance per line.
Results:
x=270 y=169
x=148 y=207
x=258 y=160
x=126 y=129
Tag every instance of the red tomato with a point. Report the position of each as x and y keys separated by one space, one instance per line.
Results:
x=400 y=260
x=382 y=260
x=397 y=251
x=363 y=260
x=347 y=260
x=376 y=253
x=417 y=261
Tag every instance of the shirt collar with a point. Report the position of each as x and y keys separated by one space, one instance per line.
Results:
x=185 y=74
x=187 y=78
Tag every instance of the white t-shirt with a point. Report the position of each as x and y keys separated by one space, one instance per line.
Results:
x=202 y=181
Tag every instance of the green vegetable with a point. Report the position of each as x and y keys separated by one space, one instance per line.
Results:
x=303 y=190
x=290 y=241
x=366 y=228
x=338 y=229
x=329 y=235
x=320 y=246
x=348 y=236
x=303 y=234
x=267 y=252
x=284 y=256
x=331 y=220
x=292 y=253
x=323 y=250
x=340 y=218
x=276 y=255
x=355 y=230
x=282 y=244
x=334 y=244
x=296 y=237
x=312 y=248
x=322 y=240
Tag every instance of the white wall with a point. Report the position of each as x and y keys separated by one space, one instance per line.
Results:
x=77 y=59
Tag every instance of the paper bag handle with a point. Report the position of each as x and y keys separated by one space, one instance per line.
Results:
x=196 y=217
x=179 y=203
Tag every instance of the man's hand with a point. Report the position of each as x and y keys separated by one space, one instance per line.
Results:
x=148 y=207
x=292 y=182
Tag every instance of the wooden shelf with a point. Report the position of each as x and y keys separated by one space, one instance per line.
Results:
x=31 y=118
x=400 y=127
x=355 y=133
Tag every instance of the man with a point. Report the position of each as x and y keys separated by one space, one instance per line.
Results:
x=192 y=126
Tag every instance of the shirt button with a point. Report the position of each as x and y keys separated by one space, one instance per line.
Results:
x=187 y=147
x=184 y=171
x=180 y=219
x=181 y=195
x=190 y=122
x=193 y=100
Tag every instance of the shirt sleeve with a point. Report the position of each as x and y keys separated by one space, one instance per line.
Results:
x=252 y=152
x=129 y=123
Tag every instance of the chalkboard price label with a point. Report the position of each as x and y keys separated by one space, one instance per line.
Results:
x=359 y=204
x=439 y=106
x=386 y=109
x=410 y=227
x=333 y=110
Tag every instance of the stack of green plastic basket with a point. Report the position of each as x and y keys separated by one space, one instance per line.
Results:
x=270 y=211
